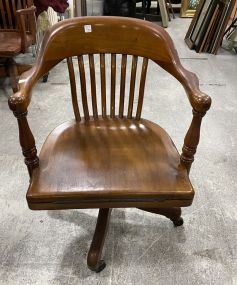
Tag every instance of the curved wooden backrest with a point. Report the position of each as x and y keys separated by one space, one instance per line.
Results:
x=8 y=12
x=87 y=36
x=114 y=35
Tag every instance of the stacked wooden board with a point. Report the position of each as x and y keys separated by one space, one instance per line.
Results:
x=208 y=26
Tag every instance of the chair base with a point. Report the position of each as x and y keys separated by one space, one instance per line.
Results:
x=94 y=261
x=174 y=214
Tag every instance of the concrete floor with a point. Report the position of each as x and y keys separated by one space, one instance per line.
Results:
x=141 y=248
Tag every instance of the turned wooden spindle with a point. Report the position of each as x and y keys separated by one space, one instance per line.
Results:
x=191 y=140
x=27 y=142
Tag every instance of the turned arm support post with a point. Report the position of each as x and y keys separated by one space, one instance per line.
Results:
x=200 y=103
x=27 y=142
x=191 y=140
x=18 y=103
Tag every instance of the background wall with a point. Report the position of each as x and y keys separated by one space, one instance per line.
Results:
x=94 y=7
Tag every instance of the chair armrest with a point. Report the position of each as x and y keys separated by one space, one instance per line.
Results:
x=199 y=100
x=27 y=11
x=19 y=101
x=21 y=22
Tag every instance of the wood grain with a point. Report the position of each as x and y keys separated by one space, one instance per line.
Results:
x=83 y=87
x=132 y=86
x=93 y=86
x=109 y=160
x=113 y=85
x=122 y=84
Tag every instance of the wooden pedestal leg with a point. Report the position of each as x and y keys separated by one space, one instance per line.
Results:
x=174 y=214
x=94 y=261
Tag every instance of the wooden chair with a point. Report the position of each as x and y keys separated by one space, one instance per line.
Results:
x=111 y=158
x=17 y=34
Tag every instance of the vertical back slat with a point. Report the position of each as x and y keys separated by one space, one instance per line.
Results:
x=73 y=89
x=132 y=86
x=13 y=7
x=103 y=84
x=4 y=22
x=83 y=87
x=142 y=88
x=19 y=5
x=14 y=13
x=9 y=14
x=122 y=85
x=113 y=83
x=93 y=85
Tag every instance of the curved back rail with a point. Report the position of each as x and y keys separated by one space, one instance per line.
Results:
x=111 y=35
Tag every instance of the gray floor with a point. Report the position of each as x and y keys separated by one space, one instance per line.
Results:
x=141 y=248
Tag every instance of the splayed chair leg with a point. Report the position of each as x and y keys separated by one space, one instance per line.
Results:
x=174 y=214
x=94 y=261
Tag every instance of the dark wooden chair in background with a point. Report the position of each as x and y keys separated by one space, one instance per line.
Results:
x=17 y=34
x=111 y=158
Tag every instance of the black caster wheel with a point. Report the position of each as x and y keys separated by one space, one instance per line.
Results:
x=178 y=222
x=101 y=266
x=45 y=78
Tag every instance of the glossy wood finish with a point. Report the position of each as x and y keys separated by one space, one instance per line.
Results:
x=192 y=139
x=93 y=86
x=137 y=37
x=116 y=159
x=113 y=85
x=73 y=89
x=83 y=87
x=17 y=33
x=142 y=88
x=110 y=161
x=27 y=143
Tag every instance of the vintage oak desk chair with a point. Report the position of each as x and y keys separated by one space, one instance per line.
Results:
x=17 y=34
x=111 y=158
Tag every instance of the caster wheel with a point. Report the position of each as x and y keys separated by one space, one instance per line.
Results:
x=45 y=78
x=101 y=266
x=178 y=222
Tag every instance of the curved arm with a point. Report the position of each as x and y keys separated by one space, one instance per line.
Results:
x=19 y=101
x=21 y=23
x=198 y=100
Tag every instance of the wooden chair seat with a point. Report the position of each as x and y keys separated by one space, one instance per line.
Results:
x=11 y=43
x=102 y=160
